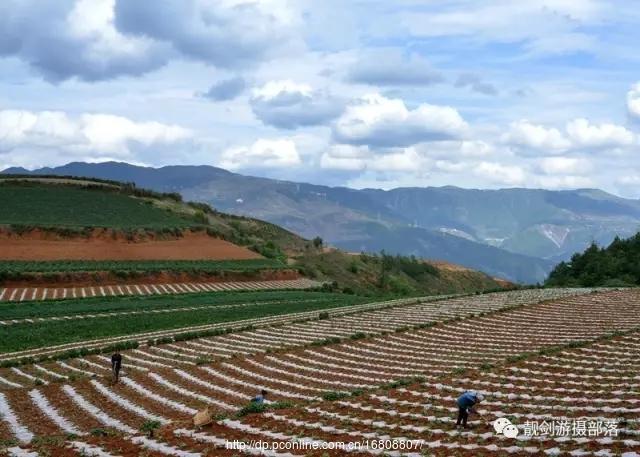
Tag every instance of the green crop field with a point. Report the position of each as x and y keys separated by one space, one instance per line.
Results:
x=177 y=312
x=10 y=268
x=73 y=206
x=80 y=306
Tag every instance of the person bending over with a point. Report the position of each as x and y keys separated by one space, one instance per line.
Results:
x=260 y=398
x=466 y=404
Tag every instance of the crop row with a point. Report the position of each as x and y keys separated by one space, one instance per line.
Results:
x=417 y=312
x=210 y=294
x=35 y=333
x=30 y=294
x=57 y=205
x=355 y=326
x=353 y=390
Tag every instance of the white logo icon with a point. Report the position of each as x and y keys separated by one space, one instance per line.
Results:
x=505 y=427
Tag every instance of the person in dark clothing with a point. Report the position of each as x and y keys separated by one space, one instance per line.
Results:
x=116 y=365
x=259 y=399
x=466 y=403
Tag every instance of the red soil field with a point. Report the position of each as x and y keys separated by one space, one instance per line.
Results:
x=192 y=246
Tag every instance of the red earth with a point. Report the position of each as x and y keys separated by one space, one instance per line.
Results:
x=37 y=245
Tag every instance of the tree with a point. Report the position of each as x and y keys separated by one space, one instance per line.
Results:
x=317 y=242
x=386 y=265
x=615 y=265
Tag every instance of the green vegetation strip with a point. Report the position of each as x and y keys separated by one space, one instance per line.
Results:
x=72 y=206
x=10 y=268
x=100 y=345
x=83 y=306
x=110 y=315
x=28 y=336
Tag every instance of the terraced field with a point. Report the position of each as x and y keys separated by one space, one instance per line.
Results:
x=21 y=294
x=43 y=326
x=75 y=206
x=391 y=375
x=372 y=318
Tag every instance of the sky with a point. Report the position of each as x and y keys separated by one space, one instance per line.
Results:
x=358 y=93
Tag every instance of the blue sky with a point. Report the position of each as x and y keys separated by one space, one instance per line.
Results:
x=488 y=94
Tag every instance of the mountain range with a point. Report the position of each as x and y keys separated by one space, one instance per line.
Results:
x=516 y=234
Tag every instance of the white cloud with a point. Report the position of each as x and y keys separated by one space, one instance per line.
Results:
x=359 y=158
x=453 y=167
x=476 y=148
x=546 y=26
x=74 y=38
x=563 y=182
x=633 y=100
x=274 y=89
x=498 y=173
x=379 y=121
x=403 y=160
x=267 y=153
x=330 y=162
x=100 y=134
x=630 y=180
x=287 y=104
x=457 y=149
x=224 y=33
x=92 y=21
x=586 y=135
x=564 y=166
x=345 y=157
x=114 y=133
x=103 y=39
x=562 y=43
x=579 y=134
x=529 y=135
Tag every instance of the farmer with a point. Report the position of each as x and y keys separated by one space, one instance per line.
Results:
x=466 y=404
x=260 y=398
x=116 y=364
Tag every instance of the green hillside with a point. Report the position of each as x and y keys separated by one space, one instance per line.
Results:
x=366 y=274
x=615 y=265
x=37 y=204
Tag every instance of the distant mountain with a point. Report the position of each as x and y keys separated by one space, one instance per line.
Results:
x=517 y=234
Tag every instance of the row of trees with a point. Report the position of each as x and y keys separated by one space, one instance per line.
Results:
x=616 y=265
x=410 y=266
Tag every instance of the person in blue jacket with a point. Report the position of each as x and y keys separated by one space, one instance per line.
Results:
x=466 y=403
x=259 y=399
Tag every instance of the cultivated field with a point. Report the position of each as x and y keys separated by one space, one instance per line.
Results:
x=37 y=325
x=10 y=267
x=55 y=239
x=372 y=374
x=21 y=294
x=74 y=206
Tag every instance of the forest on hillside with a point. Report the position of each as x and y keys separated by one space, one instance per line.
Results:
x=615 y=265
